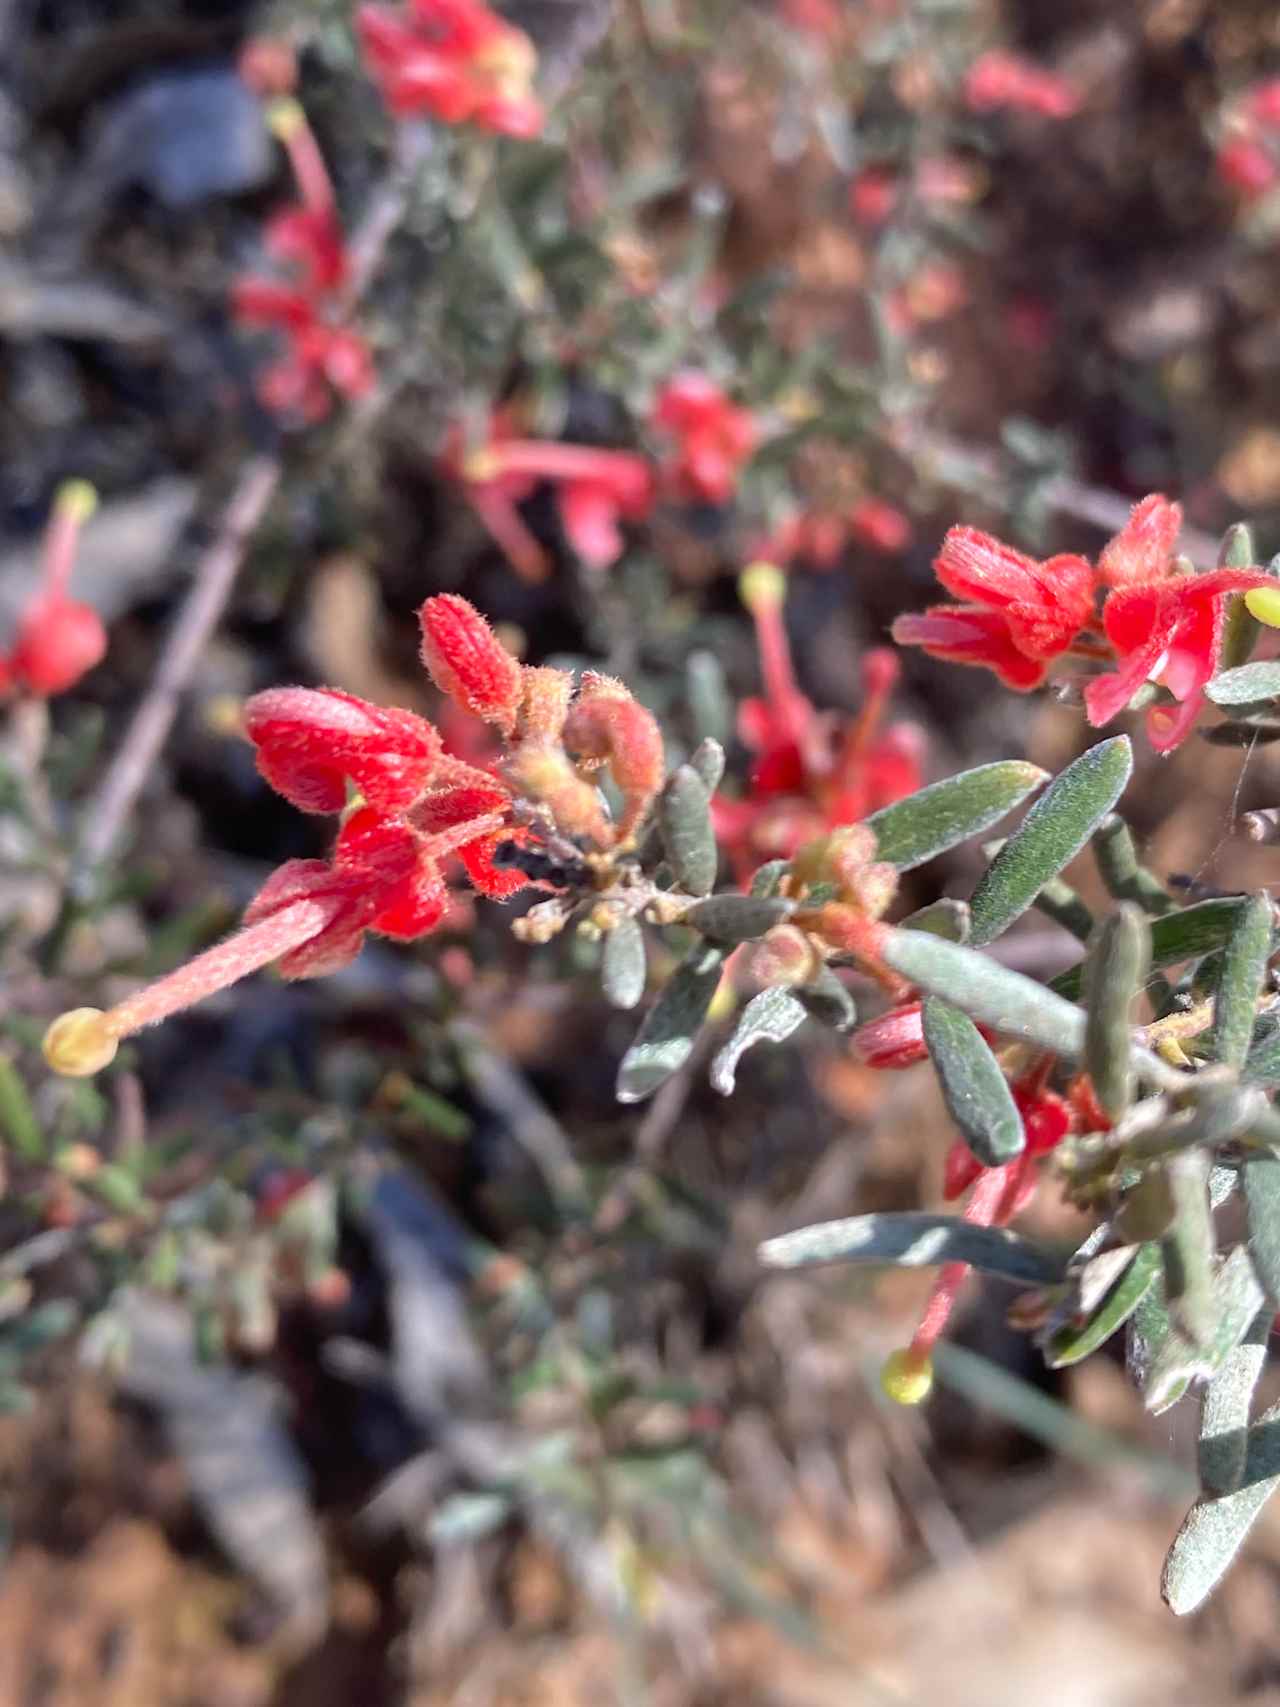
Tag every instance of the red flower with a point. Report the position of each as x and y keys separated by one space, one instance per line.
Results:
x=880 y=525
x=1247 y=165
x=873 y=194
x=597 y=489
x=812 y=772
x=312 y=741
x=1006 y=80
x=58 y=639
x=453 y=60
x=1022 y=614
x=467 y=661
x=714 y=437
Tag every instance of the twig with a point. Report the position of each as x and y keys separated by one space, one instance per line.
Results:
x=218 y=566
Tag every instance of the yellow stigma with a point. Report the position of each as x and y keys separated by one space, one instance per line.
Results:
x=906 y=1378
x=76 y=499
x=79 y=1043
x=481 y=465
x=1264 y=603
x=285 y=117
x=762 y=584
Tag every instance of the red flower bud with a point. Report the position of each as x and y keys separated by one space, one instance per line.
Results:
x=467 y=661
x=58 y=641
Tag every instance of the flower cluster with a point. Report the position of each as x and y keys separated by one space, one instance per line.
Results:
x=406 y=806
x=310 y=309
x=713 y=437
x=1248 y=155
x=58 y=639
x=811 y=771
x=999 y=80
x=596 y=491
x=452 y=60
x=1140 y=608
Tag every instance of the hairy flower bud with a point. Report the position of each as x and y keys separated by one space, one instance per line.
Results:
x=467 y=661
x=312 y=741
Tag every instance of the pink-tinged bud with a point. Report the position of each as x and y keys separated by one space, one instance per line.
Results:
x=880 y=672
x=58 y=641
x=836 y=857
x=872 y=195
x=606 y=725
x=880 y=525
x=543 y=774
x=399 y=872
x=268 y=65
x=312 y=741
x=784 y=955
x=467 y=661
x=998 y=79
x=892 y=1041
x=547 y=694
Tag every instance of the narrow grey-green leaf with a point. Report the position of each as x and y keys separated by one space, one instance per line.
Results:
x=1261 y=1177
x=666 y=1038
x=1060 y=902
x=974 y=1088
x=707 y=758
x=1005 y=1000
x=1188 y=934
x=1241 y=630
x=1148 y=1330
x=941 y=816
x=733 y=919
x=1262 y=1063
x=1249 y=684
x=684 y=819
x=1214 y=1530
x=1114 y=970
x=1074 y=1343
x=1050 y=836
x=1240 y=978
x=767 y=879
x=623 y=964
x=1237 y=1297
x=1122 y=871
x=1188 y=1248
x=945 y=918
x=770 y=1017
x=710 y=702
x=1224 y=1416
x=828 y=1001
x=915 y=1240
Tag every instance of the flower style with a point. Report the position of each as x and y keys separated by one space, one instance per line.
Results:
x=596 y=491
x=407 y=806
x=58 y=638
x=811 y=771
x=1157 y=623
x=1001 y=80
x=452 y=60
x=998 y=1195
x=714 y=437
x=323 y=354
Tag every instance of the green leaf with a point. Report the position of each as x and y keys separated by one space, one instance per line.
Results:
x=941 y=816
x=1241 y=630
x=666 y=1038
x=1214 y=1530
x=684 y=819
x=1240 y=980
x=1250 y=684
x=732 y=919
x=18 y=1123
x=767 y=879
x=915 y=1240
x=828 y=1001
x=1188 y=934
x=1074 y=1343
x=1261 y=1178
x=1051 y=835
x=1262 y=1063
x=1121 y=871
x=945 y=918
x=1224 y=1418
x=624 y=964
x=1237 y=1298
x=1114 y=970
x=1058 y=901
x=770 y=1017
x=707 y=758
x=1188 y=1248
x=997 y=997
x=974 y=1088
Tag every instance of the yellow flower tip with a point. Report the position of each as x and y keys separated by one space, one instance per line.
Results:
x=80 y=1043
x=761 y=585
x=906 y=1378
x=285 y=117
x=76 y=499
x=1264 y=603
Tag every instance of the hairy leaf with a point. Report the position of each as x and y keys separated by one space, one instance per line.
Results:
x=666 y=1038
x=987 y=991
x=1113 y=974
x=1261 y=1176
x=1188 y=934
x=1240 y=978
x=1224 y=1418
x=941 y=816
x=1074 y=1343
x=945 y=918
x=1237 y=1298
x=1249 y=684
x=770 y=1017
x=915 y=1240
x=684 y=819
x=1214 y=1530
x=732 y=919
x=1051 y=835
x=974 y=1088
x=623 y=964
